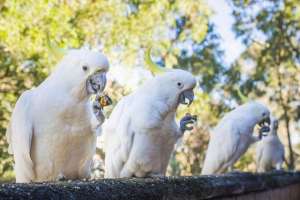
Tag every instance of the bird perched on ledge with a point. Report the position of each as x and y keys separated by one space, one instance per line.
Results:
x=141 y=132
x=233 y=135
x=270 y=150
x=51 y=132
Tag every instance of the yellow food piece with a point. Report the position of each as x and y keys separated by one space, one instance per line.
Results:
x=104 y=100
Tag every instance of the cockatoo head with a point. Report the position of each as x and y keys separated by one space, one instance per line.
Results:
x=176 y=87
x=260 y=113
x=85 y=69
x=273 y=127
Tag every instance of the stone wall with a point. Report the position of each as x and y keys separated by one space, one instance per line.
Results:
x=237 y=186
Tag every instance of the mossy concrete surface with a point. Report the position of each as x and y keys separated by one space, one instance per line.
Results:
x=181 y=188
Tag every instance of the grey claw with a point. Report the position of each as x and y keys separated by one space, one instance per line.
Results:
x=97 y=110
x=96 y=107
x=186 y=120
x=262 y=131
x=61 y=177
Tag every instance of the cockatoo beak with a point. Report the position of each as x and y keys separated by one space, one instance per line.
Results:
x=186 y=97
x=264 y=121
x=265 y=126
x=96 y=82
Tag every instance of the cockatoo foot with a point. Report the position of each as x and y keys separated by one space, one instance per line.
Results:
x=278 y=170
x=187 y=119
x=61 y=177
x=278 y=167
x=263 y=131
x=97 y=109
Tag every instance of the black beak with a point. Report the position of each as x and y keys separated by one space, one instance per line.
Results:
x=186 y=97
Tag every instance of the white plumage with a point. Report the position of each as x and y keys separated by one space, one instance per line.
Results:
x=270 y=150
x=51 y=130
x=233 y=135
x=140 y=134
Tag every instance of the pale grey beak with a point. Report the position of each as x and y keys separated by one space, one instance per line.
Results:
x=264 y=126
x=96 y=83
x=186 y=97
x=265 y=120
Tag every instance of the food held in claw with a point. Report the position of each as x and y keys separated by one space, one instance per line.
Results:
x=104 y=100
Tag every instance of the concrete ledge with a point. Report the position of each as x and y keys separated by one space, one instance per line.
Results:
x=195 y=187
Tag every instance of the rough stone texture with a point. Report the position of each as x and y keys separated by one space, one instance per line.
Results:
x=182 y=188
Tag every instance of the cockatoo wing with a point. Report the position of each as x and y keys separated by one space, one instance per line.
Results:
x=19 y=136
x=117 y=138
x=222 y=149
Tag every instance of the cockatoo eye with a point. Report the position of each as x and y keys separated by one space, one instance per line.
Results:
x=179 y=84
x=85 y=67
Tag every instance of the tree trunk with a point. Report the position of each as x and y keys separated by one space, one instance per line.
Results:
x=284 y=106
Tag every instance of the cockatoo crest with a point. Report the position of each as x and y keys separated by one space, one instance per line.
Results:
x=154 y=68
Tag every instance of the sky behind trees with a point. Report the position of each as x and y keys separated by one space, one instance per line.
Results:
x=224 y=20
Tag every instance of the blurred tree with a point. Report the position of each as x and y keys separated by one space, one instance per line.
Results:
x=270 y=65
x=205 y=59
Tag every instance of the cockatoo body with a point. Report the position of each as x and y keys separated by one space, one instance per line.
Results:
x=270 y=150
x=232 y=136
x=51 y=132
x=140 y=134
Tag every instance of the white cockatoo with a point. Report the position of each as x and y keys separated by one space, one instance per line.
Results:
x=52 y=129
x=233 y=135
x=270 y=150
x=141 y=132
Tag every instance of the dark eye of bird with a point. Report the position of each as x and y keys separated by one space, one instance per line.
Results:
x=179 y=84
x=84 y=67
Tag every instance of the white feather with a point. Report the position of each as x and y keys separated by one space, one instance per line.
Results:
x=231 y=138
x=270 y=152
x=51 y=131
x=141 y=132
